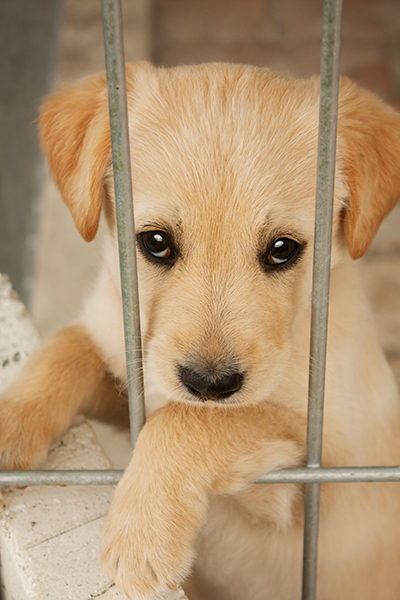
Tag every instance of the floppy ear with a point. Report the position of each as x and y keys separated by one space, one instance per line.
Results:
x=75 y=135
x=369 y=146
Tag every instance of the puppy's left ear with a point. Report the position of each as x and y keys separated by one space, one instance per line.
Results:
x=75 y=135
x=369 y=155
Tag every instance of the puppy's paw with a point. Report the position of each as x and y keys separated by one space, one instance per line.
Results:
x=145 y=558
x=148 y=546
x=24 y=441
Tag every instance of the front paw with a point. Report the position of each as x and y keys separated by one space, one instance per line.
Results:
x=149 y=541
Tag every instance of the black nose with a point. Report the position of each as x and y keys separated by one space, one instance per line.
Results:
x=210 y=386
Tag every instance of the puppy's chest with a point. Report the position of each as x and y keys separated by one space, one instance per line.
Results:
x=275 y=506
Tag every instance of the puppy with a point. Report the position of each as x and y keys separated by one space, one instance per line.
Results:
x=224 y=174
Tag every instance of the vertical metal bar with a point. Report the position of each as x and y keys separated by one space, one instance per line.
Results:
x=320 y=291
x=115 y=65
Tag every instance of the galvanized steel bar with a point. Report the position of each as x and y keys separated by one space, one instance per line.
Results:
x=111 y=477
x=320 y=291
x=115 y=64
x=318 y=475
x=76 y=477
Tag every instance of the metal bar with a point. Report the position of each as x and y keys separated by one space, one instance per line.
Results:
x=331 y=31
x=76 y=477
x=332 y=475
x=115 y=65
x=111 y=477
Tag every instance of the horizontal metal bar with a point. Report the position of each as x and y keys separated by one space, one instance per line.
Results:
x=332 y=475
x=112 y=477
x=98 y=477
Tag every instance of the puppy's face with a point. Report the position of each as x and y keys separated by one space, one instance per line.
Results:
x=224 y=189
x=224 y=171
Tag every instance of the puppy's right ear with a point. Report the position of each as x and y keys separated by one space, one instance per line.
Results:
x=75 y=135
x=369 y=136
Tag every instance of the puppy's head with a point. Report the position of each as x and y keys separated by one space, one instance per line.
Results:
x=224 y=172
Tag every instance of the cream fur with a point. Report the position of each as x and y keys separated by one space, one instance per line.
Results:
x=225 y=157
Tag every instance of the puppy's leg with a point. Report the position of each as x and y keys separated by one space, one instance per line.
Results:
x=109 y=402
x=59 y=380
x=183 y=453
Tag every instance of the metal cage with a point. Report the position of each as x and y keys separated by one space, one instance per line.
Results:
x=313 y=474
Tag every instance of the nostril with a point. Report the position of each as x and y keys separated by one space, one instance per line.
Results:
x=227 y=385
x=207 y=385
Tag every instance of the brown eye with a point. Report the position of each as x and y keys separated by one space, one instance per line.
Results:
x=158 y=246
x=282 y=252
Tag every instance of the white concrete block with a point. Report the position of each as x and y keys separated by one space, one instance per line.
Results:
x=69 y=565
x=39 y=513
x=18 y=335
x=50 y=535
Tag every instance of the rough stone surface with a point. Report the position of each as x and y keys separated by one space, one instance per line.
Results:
x=50 y=535
x=18 y=335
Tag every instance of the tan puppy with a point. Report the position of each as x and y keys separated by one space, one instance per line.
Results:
x=224 y=169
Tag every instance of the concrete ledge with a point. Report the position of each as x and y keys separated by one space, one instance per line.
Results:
x=50 y=535
x=18 y=335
